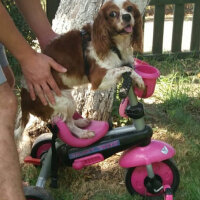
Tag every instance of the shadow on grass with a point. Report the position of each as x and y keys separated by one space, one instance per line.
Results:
x=179 y=115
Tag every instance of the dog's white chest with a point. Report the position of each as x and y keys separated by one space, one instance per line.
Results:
x=73 y=81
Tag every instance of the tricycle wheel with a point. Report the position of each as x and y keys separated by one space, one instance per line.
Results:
x=41 y=145
x=36 y=193
x=166 y=172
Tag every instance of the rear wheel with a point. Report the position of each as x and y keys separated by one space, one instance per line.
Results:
x=166 y=173
x=41 y=145
x=36 y=193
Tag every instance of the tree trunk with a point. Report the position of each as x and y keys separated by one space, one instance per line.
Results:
x=73 y=15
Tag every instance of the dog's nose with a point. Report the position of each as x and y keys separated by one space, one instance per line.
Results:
x=126 y=17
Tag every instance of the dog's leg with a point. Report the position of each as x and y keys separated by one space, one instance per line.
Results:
x=80 y=133
x=137 y=79
x=82 y=122
x=65 y=108
x=19 y=128
x=21 y=122
x=112 y=77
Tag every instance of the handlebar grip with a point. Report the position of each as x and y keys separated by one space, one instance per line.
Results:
x=126 y=85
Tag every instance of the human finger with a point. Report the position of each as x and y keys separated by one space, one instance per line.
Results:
x=40 y=94
x=54 y=86
x=31 y=91
x=48 y=93
x=57 y=66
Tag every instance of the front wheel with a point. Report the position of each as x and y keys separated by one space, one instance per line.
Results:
x=36 y=193
x=166 y=173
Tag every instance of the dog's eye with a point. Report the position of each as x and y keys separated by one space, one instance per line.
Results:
x=129 y=8
x=113 y=14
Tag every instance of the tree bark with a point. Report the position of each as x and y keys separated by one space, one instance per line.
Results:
x=74 y=14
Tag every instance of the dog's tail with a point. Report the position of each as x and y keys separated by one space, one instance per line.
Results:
x=20 y=124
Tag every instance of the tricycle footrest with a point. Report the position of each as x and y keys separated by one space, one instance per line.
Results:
x=88 y=160
x=31 y=160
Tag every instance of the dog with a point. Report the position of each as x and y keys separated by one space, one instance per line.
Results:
x=98 y=54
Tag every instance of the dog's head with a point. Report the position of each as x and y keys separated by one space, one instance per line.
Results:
x=117 y=17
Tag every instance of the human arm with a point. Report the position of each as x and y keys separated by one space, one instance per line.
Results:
x=37 y=20
x=35 y=66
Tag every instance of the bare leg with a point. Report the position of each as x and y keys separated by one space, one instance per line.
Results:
x=9 y=76
x=10 y=179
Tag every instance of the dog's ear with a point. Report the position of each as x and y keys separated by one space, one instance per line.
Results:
x=137 y=35
x=100 y=35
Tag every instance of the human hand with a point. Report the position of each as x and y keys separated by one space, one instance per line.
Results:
x=37 y=73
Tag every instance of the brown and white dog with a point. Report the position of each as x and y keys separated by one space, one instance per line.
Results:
x=98 y=55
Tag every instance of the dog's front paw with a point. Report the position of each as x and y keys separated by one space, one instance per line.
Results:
x=140 y=83
x=87 y=134
x=126 y=69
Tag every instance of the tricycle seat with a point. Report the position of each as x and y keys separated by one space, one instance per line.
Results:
x=99 y=127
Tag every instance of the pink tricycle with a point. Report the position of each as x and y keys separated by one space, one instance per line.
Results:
x=150 y=168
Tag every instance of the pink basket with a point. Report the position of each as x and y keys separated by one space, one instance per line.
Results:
x=140 y=62
x=149 y=75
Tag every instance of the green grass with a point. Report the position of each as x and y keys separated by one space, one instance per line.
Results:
x=174 y=114
x=178 y=106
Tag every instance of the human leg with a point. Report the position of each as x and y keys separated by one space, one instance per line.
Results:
x=9 y=76
x=6 y=68
x=10 y=179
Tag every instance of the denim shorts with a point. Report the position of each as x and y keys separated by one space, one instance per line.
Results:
x=3 y=63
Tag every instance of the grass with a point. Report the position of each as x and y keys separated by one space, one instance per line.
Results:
x=174 y=114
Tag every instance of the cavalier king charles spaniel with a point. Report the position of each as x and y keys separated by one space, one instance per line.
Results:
x=98 y=54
